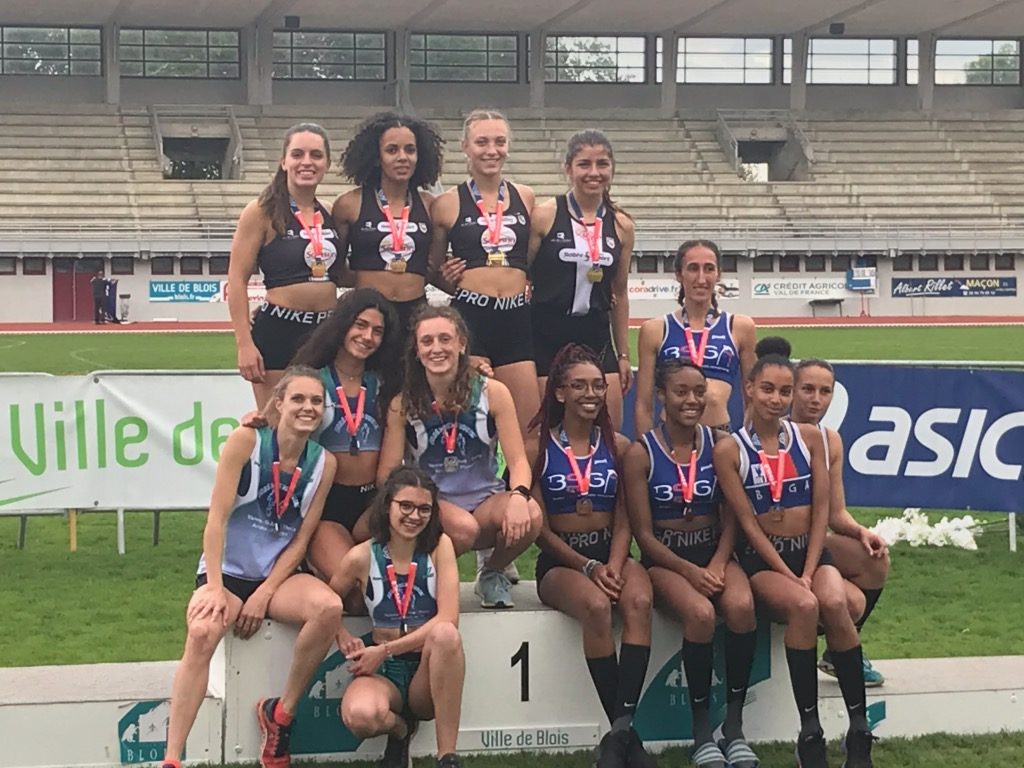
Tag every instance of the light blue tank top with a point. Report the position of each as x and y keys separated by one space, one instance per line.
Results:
x=475 y=462
x=380 y=602
x=255 y=534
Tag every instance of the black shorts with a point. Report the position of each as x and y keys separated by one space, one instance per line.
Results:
x=240 y=588
x=345 y=504
x=278 y=332
x=499 y=328
x=792 y=550
x=593 y=545
x=552 y=330
x=697 y=547
x=406 y=310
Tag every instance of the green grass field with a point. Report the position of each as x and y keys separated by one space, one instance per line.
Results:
x=81 y=353
x=938 y=603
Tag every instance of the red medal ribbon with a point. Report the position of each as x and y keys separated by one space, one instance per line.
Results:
x=582 y=478
x=352 y=422
x=314 y=233
x=280 y=507
x=402 y=602
x=493 y=225
x=687 y=484
x=449 y=435
x=697 y=353
x=399 y=227
x=593 y=236
x=775 y=478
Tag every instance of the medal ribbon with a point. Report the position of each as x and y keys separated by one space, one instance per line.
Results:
x=582 y=478
x=493 y=225
x=688 y=483
x=314 y=233
x=402 y=602
x=352 y=422
x=593 y=236
x=397 y=227
x=280 y=507
x=774 y=478
x=449 y=435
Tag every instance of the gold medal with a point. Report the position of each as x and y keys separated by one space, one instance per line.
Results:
x=397 y=266
x=595 y=274
x=584 y=506
x=496 y=259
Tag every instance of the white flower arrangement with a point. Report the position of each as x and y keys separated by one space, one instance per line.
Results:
x=913 y=527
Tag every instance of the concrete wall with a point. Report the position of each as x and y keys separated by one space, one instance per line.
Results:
x=27 y=298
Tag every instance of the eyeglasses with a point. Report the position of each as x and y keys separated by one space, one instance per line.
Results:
x=407 y=508
x=598 y=387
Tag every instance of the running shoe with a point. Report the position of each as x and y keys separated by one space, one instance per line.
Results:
x=274 y=748
x=483 y=555
x=857 y=748
x=872 y=677
x=826 y=665
x=396 y=751
x=494 y=590
x=613 y=750
x=811 y=751
x=636 y=755
x=451 y=760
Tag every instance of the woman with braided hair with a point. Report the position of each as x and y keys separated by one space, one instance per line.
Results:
x=584 y=567
x=720 y=343
x=384 y=222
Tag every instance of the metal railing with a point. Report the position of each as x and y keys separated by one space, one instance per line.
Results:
x=730 y=147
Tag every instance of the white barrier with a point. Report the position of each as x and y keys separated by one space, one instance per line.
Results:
x=527 y=688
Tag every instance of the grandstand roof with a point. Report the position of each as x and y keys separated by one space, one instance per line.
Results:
x=953 y=18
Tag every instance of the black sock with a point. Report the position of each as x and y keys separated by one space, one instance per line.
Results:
x=697 y=661
x=739 y=658
x=803 y=676
x=632 y=671
x=870 y=599
x=849 y=671
x=604 y=671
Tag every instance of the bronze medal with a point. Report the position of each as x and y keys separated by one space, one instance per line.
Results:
x=687 y=512
x=397 y=266
x=584 y=506
x=451 y=463
x=595 y=275
x=777 y=513
x=353 y=447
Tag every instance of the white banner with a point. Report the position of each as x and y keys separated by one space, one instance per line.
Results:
x=667 y=289
x=110 y=440
x=803 y=287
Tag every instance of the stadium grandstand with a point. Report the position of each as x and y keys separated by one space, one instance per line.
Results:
x=859 y=135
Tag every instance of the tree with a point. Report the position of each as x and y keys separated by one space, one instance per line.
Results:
x=1002 y=68
x=581 y=60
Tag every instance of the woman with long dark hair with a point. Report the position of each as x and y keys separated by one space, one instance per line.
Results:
x=718 y=342
x=385 y=223
x=356 y=351
x=584 y=568
x=581 y=244
x=774 y=477
x=411 y=666
x=290 y=237
x=687 y=537
x=270 y=488
x=448 y=420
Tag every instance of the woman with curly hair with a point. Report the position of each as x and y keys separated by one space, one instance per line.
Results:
x=448 y=421
x=385 y=221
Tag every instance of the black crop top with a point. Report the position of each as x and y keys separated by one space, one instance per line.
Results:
x=470 y=236
x=292 y=258
x=370 y=237
x=560 y=272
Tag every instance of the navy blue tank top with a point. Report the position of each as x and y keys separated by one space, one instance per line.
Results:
x=291 y=258
x=664 y=489
x=380 y=598
x=333 y=432
x=721 y=358
x=558 y=485
x=371 y=246
x=796 y=470
x=469 y=235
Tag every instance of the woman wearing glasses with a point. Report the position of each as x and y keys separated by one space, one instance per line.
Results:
x=411 y=666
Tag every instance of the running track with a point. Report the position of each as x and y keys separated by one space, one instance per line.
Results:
x=763 y=322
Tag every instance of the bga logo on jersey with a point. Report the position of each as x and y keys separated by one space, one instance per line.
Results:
x=142 y=732
x=757 y=474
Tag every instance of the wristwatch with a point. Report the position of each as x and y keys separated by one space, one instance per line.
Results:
x=523 y=491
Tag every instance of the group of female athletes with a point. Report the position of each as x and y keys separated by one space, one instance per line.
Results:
x=374 y=460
